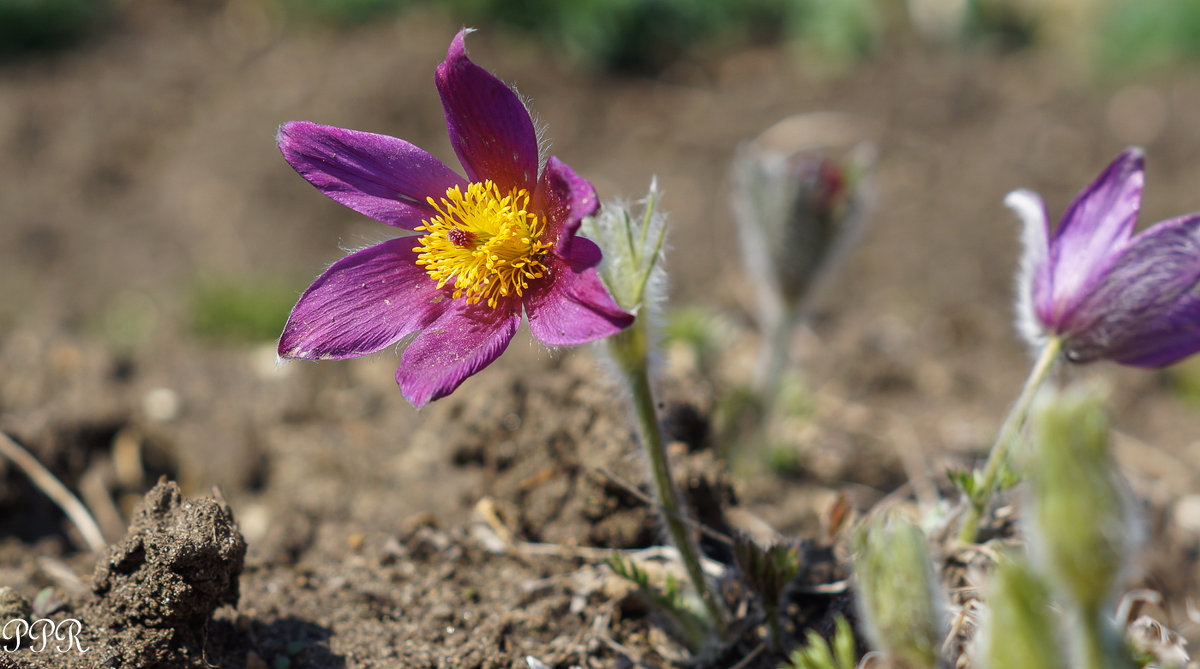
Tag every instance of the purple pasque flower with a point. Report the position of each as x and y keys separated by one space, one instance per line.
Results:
x=1103 y=291
x=487 y=245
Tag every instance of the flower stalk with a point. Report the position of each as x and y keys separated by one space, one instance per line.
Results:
x=776 y=359
x=630 y=350
x=981 y=494
x=632 y=272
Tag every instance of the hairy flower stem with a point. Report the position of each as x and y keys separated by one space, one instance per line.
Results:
x=981 y=495
x=1101 y=649
x=630 y=349
x=773 y=363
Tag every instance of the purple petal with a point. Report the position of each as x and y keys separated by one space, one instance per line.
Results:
x=463 y=340
x=489 y=127
x=565 y=199
x=571 y=305
x=1146 y=312
x=383 y=177
x=1033 y=281
x=1172 y=340
x=363 y=303
x=1093 y=232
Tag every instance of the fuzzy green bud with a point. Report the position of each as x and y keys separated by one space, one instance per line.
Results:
x=1021 y=627
x=632 y=271
x=898 y=594
x=633 y=250
x=1081 y=530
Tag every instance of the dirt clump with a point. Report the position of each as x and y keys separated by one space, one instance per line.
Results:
x=158 y=587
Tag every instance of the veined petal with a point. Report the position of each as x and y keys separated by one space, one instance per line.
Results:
x=1094 y=231
x=1172 y=337
x=1033 y=281
x=363 y=303
x=489 y=127
x=383 y=177
x=565 y=198
x=571 y=305
x=463 y=340
x=1146 y=311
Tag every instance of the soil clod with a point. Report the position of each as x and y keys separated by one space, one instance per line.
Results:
x=157 y=588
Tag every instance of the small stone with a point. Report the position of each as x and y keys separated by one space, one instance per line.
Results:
x=1187 y=514
x=161 y=405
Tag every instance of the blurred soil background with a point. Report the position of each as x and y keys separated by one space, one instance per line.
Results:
x=152 y=241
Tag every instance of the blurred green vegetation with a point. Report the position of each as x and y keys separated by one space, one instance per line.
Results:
x=240 y=309
x=343 y=12
x=1142 y=35
x=1117 y=38
x=845 y=31
x=40 y=25
x=642 y=36
x=1111 y=38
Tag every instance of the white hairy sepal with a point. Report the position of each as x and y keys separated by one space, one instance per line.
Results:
x=1035 y=242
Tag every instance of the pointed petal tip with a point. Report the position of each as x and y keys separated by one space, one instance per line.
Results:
x=283 y=133
x=1135 y=153
x=287 y=131
x=416 y=398
x=490 y=128
x=287 y=349
x=458 y=46
x=1129 y=165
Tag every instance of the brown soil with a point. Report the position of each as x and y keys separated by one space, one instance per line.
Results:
x=470 y=534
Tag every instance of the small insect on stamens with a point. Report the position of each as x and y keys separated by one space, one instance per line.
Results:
x=460 y=238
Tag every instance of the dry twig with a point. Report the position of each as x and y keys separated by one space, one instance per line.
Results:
x=56 y=491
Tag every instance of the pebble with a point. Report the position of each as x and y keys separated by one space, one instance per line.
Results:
x=161 y=405
x=1187 y=514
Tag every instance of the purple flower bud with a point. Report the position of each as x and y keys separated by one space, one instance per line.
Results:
x=1106 y=293
x=800 y=195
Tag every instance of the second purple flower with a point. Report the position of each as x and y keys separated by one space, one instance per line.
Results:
x=499 y=241
x=1104 y=292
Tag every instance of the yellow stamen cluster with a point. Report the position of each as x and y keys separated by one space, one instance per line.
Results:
x=489 y=244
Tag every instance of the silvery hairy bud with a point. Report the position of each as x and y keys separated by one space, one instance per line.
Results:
x=901 y=602
x=1021 y=627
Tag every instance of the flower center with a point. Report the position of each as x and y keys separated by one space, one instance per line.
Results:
x=489 y=244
